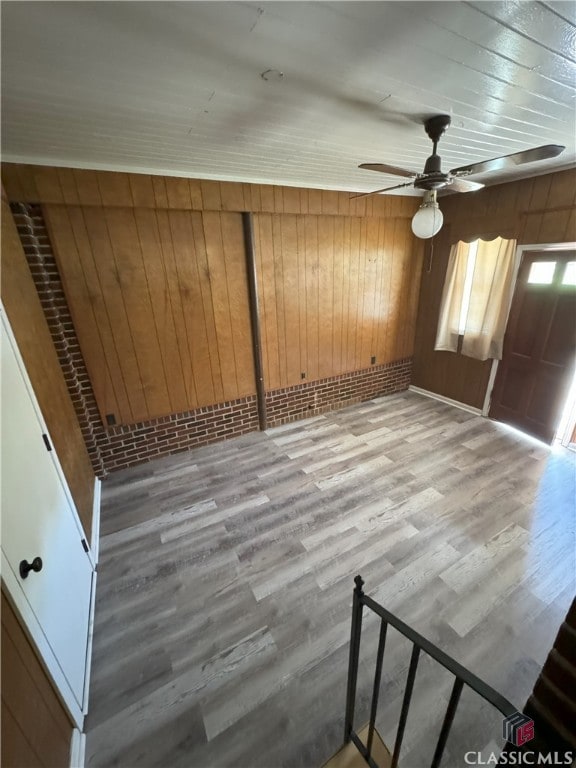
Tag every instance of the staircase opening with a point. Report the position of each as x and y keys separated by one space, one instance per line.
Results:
x=365 y=746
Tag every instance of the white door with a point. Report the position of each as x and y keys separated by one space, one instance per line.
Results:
x=38 y=521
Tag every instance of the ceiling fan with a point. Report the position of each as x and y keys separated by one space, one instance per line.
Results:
x=433 y=178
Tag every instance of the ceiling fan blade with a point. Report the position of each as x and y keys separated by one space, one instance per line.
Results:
x=510 y=161
x=464 y=185
x=376 y=191
x=391 y=169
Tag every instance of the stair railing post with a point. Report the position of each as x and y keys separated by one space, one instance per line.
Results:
x=355 y=634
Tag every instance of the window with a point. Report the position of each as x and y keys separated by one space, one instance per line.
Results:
x=569 y=274
x=476 y=298
x=542 y=272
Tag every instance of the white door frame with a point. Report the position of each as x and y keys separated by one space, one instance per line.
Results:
x=29 y=621
x=520 y=251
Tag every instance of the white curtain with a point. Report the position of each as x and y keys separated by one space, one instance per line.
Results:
x=488 y=296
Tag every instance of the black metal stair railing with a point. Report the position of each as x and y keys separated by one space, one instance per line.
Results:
x=462 y=677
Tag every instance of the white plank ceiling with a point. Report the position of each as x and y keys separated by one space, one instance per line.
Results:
x=176 y=88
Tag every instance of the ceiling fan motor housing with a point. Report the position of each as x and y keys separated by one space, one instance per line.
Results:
x=432 y=177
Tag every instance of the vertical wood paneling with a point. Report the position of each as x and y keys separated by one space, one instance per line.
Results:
x=279 y=290
x=232 y=195
x=537 y=210
x=87 y=187
x=291 y=296
x=303 y=335
x=155 y=270
x=36 y=730
x=32 y=334
x=142 y=191
x=193 y=283
x=98 y=323
x=176 y=293
x=211 y=196
x=48 y=185
x=101 y=251
x=126 y=252
x=240 y=344
x=334 y=291
x=396 y=282
x=326 y=321
x=338 y=291
x=351 y=328
x=160 y=192
x=178 y=193
x=68 y=186
x=312 y=253
x=266 y=284
x=159 y=303
x=114 y=188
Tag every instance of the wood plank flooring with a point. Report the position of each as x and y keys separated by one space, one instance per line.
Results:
x=226 y=575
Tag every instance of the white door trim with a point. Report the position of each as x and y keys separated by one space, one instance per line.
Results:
x=77 y=749
x=89 y=644
x=95 y=533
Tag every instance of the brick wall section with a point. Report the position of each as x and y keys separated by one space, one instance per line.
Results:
x=117 y=447
x=132 y=444
x=315 y=397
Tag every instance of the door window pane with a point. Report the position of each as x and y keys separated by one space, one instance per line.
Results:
x=570 y=274
x=542 y=272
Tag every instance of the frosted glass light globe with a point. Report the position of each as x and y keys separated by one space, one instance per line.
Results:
x=427 y=220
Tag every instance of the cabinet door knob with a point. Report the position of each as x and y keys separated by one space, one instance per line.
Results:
x=26 y=567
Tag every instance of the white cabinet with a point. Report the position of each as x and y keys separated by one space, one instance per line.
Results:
x=39 y=521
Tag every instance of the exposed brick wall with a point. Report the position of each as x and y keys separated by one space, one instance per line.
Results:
x=116 y=447
x=134 y=443
x=311 y=398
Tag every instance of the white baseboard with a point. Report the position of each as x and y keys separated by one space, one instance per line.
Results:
x=442 y=399
x=89 y=643
x=95 y=533
x=77 y=749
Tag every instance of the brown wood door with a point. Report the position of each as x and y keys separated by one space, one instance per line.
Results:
x=36 y=731
x=537 y=363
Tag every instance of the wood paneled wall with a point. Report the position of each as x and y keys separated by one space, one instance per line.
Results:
x=538 y=210
x=32 y=335
x=153 y=271
x=334 y=292
x=67 y=186
x=36 y=731
x=159 y=303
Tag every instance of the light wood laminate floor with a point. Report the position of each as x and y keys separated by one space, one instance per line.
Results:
x=226 y=575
